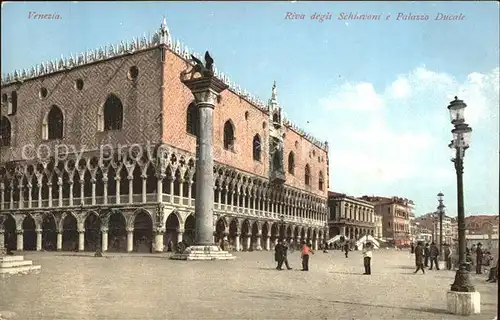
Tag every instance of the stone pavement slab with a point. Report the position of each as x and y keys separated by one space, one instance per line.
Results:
x=134 y=286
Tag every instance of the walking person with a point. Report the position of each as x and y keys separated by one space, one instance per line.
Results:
x=427 y=253
x=419 y=257
x=479 y=258
x=367 y=258
x=434 y=254
x=346 y=249
x=447 y=256
x=278 y=254
x=285 y=255
x=306 y=250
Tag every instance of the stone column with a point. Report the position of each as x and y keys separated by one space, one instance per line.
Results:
x=130 y=238
x=316 y=244
x=59 y=241
x=60 y=186
x=38 y=239
x=82 y=191
x=81 y=238
x=20 y=204
x=39 y=195
x=268 y=243
x=158 y=241
x=2 y=196
x=104 y=239
x=30 y=196
x=105 y=186
x=2 y=242
x=206 y=91
x=159 y=191
x=248 y=244
x=11 y=193
x=258 y=244
x=93 y=187
x=49 y=185
x=180 y=232
x=144 y=184
x=20 y=240
x=70 y=192
x=130 y=189
x=117 y=198
x=237 y=242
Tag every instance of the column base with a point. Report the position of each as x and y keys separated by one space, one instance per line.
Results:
x=463 y=303
x=200 y=252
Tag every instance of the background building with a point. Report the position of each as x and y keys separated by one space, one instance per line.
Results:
x=482 y=224
x=395 y=214
x=134 y=183
x=430 y=221
x=350 y=216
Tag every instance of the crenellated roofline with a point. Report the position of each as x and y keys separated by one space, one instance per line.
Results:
x=158 y=38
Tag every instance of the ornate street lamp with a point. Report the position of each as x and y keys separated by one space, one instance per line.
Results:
x=460 y=143
x=441 y=214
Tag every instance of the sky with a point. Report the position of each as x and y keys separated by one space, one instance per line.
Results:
x=376 y=90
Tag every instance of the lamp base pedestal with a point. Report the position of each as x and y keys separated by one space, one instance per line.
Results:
x=198 y=252
x=463 y=303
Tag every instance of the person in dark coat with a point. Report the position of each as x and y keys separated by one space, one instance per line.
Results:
x=434 y=254
x=479 y=258
x=427 y=253
x=278 y=254
x=419 y=258
x=346 y=249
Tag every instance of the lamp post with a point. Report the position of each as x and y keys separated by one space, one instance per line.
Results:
x=441 y=213
x=460 y=143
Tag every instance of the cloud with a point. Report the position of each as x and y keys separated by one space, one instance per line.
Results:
x=359 y=96
x=380 y=139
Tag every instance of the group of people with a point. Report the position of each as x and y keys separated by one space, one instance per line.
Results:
x=281 y=255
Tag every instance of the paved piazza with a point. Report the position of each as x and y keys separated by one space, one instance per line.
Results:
x=132 y=286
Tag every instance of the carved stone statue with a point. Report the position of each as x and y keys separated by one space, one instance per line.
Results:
x=277 y=155
x=206 y=70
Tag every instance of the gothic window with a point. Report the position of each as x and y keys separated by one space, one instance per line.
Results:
x=5 y=132
x=321 y=181
x=113 y=113
x=192 y=119
x=229 y=136
x=12 y=106
x=55 y=122
x=256 y=148
x=276 y=117
x=307 y=175
x=291 y=163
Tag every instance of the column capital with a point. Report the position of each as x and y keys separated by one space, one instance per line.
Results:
x=19 y=231
x=104 y=229
x=181 y=230
x=81 y=231
x=38 y=230
x=130 y=229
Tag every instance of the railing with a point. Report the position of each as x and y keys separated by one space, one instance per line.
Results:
x=176 y=200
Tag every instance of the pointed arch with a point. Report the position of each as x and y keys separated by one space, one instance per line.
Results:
x=112 y=113
x=321 y=181
x=5 y=132
x=291 y=163
x=54 y=124
x=192 y=119
x=229 y=135
x=307 y=175
x=257 y=148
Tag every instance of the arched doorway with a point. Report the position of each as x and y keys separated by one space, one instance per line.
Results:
x=170 y=235
x=233 y=231
x=29 y=233
x=282 y=228
x=303 y=235
x=10 y=238
x=117 y=233
x=143 y=232
x=255 y=232
x=49 y=232
x=189 y=227
x=245 y=234
x=92 y=232
x=70 y=233
x=289 y=233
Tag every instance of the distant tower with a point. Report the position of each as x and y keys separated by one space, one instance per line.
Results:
x=276 y=139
